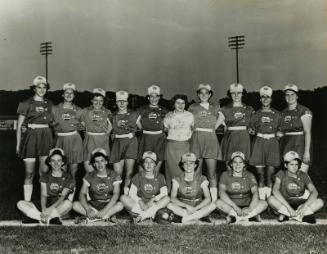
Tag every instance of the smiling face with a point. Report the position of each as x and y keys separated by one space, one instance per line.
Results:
x=56 y=162
x=122 y=105
x=40 y=90
x=236 y=96
x=189 y=166
x=100 y=163
x=291 y=97
x=97 y=102
x=265 y=100
x=179 y=105
x=154 y=99
x=204 y=95
x=149 y=165
x=69 y=95
x=292 y=166
x=237 y=165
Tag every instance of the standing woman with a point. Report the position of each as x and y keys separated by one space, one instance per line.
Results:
x=56 y=185
x=96 y=120
x=151 y=122
x=179 y=124
x=204 y=142
x=265 y=156
x=66 y=124
x=124 y=148
x=238 y=192
x=236 y=117
x=190 y=195
x=103 y=187
x=36 y=141
x=148 y=192
x=296 y=127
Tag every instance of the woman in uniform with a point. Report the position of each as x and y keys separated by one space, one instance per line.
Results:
x=56 y=185
x=148 y=192
x=190 y=195
x=296 y=127
x=124 y=149
x=96 y=120
x=288 y=192
x=236 y=117
x=34 y=137
x=265 y=156
x=66 y=124
x=204 y=142
x=103 y=187
x=151 y=122
x=179 y=124
x=238 y=192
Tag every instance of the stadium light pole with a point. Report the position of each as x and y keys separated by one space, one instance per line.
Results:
x=236 y=43
x=46 y=50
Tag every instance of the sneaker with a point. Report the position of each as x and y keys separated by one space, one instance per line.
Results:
x=112 y=219
x=230 y=219
x=55 y=221
x=309 y=219
x=206 y=219
x=28 y=220
x=282 y=218
x=175 y=218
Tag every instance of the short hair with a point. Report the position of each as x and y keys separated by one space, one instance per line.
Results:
x=181 y=164
x=179 y=96
x=246 y=163
x=296 y=159
x=98 y=154
x=229 y=94
x=198 y=92
x=55 y=152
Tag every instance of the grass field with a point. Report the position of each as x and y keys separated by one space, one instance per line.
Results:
x=128 y=238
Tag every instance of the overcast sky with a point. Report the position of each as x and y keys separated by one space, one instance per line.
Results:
x=176 y=44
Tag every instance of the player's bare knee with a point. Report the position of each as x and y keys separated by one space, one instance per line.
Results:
x=320 y=202
x=76 y=206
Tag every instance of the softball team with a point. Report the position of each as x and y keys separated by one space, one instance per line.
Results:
x=185 y=140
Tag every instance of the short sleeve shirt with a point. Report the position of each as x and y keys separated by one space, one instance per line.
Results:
x=66 y=119
x=190 y=190
x=204 y=118
x=148 y=188
x=124 y=123
x=179 y=125
x=96 y=120
x=55 y=185
x=238 y=187
x=265 y=121
x=237 y=116
x=291 y=187
x=152 y=117
x=101 y=188
x=36 y=112
x=291 y=119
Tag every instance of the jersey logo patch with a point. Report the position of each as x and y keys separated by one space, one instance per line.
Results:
x=239 y=115
x=236 y=186
x=188 y=190
x=204 y=114
x=266 y=119
x=152 y=116
x=96 y=117
x=148 y=187
x=40 y=109
x=54 y=187
x=101 y=187
x=66 y=116
x=292 y=186
x=122 y=123
x=287 y=119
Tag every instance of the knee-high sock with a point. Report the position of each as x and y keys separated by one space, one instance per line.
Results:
x=214 y=193
x=28 y=189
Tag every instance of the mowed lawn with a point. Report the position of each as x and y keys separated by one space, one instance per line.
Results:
x=128 y=238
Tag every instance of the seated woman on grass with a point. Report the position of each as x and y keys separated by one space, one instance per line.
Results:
x=190 y=195
x=148 y=192
x=56 y=185
x=238 y=191
x=288 y=192
x=103 y=187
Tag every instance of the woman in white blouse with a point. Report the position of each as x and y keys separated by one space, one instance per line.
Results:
x=179 y=124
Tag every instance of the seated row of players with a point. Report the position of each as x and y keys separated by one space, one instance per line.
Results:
x=187 y=131
x=189 y=198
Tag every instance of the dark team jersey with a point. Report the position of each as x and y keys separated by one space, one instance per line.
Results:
x=204 y=118
x=291 y=119
x=36 y=112
x=190 y=190
x=265 y=121
x=148 y=188
x=124 y=123
x=96 y=120
x=101 y=188
x=152 y=117
x=291 y=187
x=55 y=185
x=66 y=119
x=237 y=116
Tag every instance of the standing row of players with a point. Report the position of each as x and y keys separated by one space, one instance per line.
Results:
x=192 y=130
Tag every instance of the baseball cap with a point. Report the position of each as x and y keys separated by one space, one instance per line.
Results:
x=188 y=157
x=291 y=87
x=149 y=154
x=56 y=150
x=69 y=86
x=204 y=86
x=121 y=96
x=265 y=90
x=154 y=90
x=39 y=80
x=99 y=91
x=237 y=154
x=291 y=155
x=99 y=150
x=233 y=88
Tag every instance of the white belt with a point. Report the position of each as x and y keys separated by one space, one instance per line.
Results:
x=37 y=126
x=294 y=133
x=64 y=134
x=266 y=135
x=236 y=128
x=152 y=132
x=96 y=133
x=204 y=129
x=129 y=135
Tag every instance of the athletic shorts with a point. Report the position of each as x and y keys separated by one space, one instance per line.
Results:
x=155 y=143
x=242 y=202
x=92 y=142
x=295 y=202
x=205 y=145
x=265 y=152
x=292 y=143
x=72 y=146
x=236 y=141
x=97 y=204
x=124 y=148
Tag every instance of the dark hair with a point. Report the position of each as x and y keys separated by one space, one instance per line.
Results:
x=141 y=161
x=210 y=92
x=297 y=159
x=179 y=96
x=55 y=152
x=105 y=100
x=246 y=163
x=230 y=95
x=98 y=154
x=181 y=164
x=148 y=97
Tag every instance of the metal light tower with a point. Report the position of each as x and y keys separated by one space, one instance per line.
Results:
x=236 y=43
x=45 y=50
